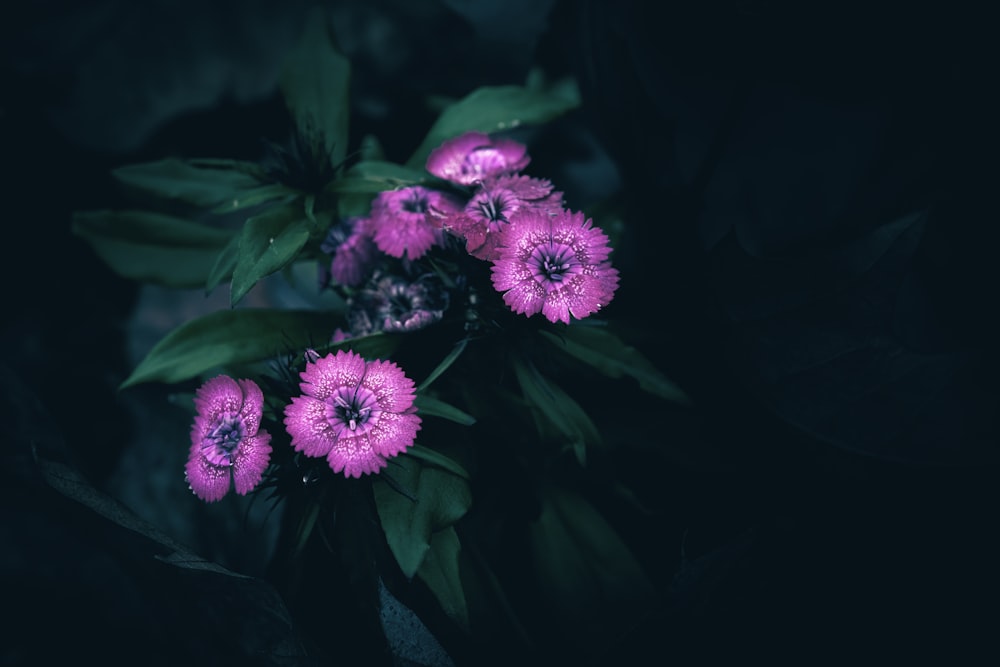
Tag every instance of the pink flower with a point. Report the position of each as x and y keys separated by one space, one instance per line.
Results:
x=403 y=220
x=489 y=210
x=354 y=412
x=474 y=156
x=350 y=243
x=226 y=440
x=556 y=264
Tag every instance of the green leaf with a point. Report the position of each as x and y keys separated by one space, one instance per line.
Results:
x=441 y=499
x=151 y=247
x=225 y=262
x=455 y=353
x=495 y=108
x=269 y=241
x=434 y=457
x=229 y=337
x=315 y=82
x=254 y=197
x=377 y=175
x=204 y=184
x=555 y=407
x=593 y=585
x=440 y=571
x=613 y=357
x=431 y=407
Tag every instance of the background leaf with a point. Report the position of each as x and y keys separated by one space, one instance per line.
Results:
x=229 y=337
x=151 y=247
x=428 y=405
x=440 y=571
x=315 y=83
x=378 y=175
x=610 y=355
x=204 y=184
x=495 y=108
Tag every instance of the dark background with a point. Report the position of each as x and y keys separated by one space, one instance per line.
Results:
x=809 y=253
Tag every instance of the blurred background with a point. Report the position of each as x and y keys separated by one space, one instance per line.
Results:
x=809 y=251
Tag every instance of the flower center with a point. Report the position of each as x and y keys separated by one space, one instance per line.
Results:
x=353 y=409
x=553 y=262
x=220 y=442
x=415 y=204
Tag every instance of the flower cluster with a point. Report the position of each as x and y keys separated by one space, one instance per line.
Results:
x=353 y=412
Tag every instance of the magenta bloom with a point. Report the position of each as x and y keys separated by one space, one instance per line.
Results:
x=475 y=156
x=350 y=242
x=554 y=264
x=404 y=220
x=226 y=440
x=354 y=412
x=489 y=210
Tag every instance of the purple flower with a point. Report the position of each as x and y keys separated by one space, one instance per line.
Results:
x=226 y=440
x=556 y=264
x=491 y=207
x=354 y=412
x=474 y=156
x=391 y=303
x=404 y=220
x=350 y=242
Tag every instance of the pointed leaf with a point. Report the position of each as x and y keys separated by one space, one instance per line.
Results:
x=455 y=353
x=269 y=241
x=495 y=108
x=441 y=499
x=229 y=337
x=202 y=184
x=434 y=457
x=440 y=571
x=378 y=175
x=554 y=406
x=430 y=406
x=225 y=262
x=151 y=247
x=610 y=355
x=254 y=197
x=315 y=82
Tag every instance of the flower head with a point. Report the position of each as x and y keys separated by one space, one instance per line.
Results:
x=227 y=445
x=350 y=242
x=474 y=156
x=556 y=264
x=356 y=413
x=391 y=303
x=403 y=220
x=489 y=210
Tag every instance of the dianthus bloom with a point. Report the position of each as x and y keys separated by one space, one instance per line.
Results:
x=391 y=303
x=490 y=208
x=350 y=242
x=474 y=156
x=226 y=440
x=354 y=412
x=403 y=220
x=556 y=264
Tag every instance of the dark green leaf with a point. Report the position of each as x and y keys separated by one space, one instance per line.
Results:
x=495 y=108
x=225 y=262
x=269 y=241
x=555 y=407
x=254 y=197
x=184 y=180
x=315 y=82
x=430 y=406
x=593 y=583
x=151 y=247
x=610 y=355
x=229 y=337
x=440 y=571
x=434 y=457
x=375 y=176
x=441 y=499
x=445 y=364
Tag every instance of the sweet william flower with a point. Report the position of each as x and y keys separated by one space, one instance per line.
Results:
x=228 y=448
x=354 y=412
x=350 y=242
x=404 y=221
x=475 y=156
x=555 y=264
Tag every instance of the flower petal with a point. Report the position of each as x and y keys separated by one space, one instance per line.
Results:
x=219 y=395
x=250 y=460
x=322 y=378
x=307 y=422
x=253 y=405
x=354 y=456
x=209 y=482
x=393 y=391
x=393 y=433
